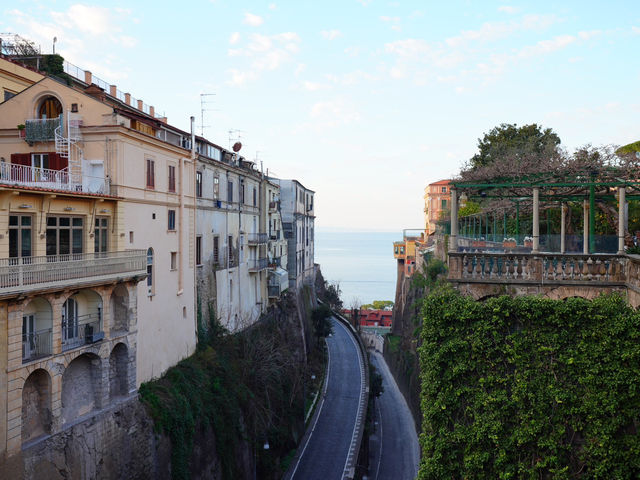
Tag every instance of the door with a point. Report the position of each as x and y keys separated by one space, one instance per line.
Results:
x=70 y=321
x=28 y=336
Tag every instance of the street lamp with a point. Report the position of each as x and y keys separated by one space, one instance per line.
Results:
x=55 y=39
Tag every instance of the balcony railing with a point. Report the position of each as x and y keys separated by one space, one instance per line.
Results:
x=28 y=176
x=257 y=264
x=41 y=130
x=36 y=345
x=274 y=291
x=29 y=273
x=274 y=206
x=83 y=330
x=257 y=238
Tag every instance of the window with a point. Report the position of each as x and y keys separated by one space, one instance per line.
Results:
x=216 y=187
x=444 y=189
x=50 y=108
x=241 y=192
x=100 y=234
x=198 y=184
x=74 y=108
x=229 y=191
x=64 y=235
x=151 y=173
x=444 y=203
x=230 y=250
x=199 y=250
x=171 y=220
x=20 y=236
x=150 y=270
x=216 y=249
x=255 y=197
x=174 y=261
x=172 y=178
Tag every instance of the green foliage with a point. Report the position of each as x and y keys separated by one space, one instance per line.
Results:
x=321 y=321
x=431 y=270
x=630 y=148
x=378 y=305
x=375 y=382
x=634 y=250
x=529 y=387
x=508 y=140
x=470 y=208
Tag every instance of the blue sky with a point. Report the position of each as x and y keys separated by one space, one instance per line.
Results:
x=363 y=101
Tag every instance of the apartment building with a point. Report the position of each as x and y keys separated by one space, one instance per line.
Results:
x=277 y=248
x=437 y=199
x=14 y=78
x=96 y=282
x=231 y=242
x=298 y=224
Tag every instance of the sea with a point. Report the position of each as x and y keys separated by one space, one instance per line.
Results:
x=361 y=263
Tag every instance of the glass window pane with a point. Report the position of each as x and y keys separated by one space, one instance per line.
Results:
x=51 y=242
x=103 y=241
x=64 y=242
x=64 y=221
x=52 y=221
x=13 y=243
x=77 y=222
x=77 y=241
x=26 y=243
x=25 y=221
x=13 y=220
x=97 y=222
x=96 y=241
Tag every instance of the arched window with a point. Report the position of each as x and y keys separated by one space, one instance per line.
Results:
x=150 y=270
x=50 y=107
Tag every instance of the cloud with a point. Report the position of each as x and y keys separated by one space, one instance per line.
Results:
x=234 y=38
x=394 y=21
x=252 y=20
x=334 y=113
x=272 y=6
x=331 y=34
x=239 y=78
x=314 y=86
x=547 y=46
x=352 y=51
x=508 y=9
x=635 y=30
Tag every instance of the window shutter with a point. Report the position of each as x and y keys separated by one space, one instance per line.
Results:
x=57 y=162
x=21 y=159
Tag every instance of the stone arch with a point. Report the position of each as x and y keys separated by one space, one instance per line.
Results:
x=118 y=371
x=81 y=318
x=48 y=106
x=120 y=309
x=36 y=405
x=37 y=328
x=81 y=387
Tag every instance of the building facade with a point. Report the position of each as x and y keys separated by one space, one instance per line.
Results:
x=437 y=200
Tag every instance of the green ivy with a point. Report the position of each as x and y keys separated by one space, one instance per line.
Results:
x=529 y=388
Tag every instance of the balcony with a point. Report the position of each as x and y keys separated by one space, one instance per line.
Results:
x=28 y=176
x=23 y=274
x=36 y=345
x=257 y=264
x=82 y=330
x=257 y=238
x=274 y=291
x=274 y=206
x=38 y=130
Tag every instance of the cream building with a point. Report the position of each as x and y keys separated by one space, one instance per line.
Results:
x=277 y=249
x=14 y=78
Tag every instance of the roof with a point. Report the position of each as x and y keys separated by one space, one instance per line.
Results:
x=441 y=182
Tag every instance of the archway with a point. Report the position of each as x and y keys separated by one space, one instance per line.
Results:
x=49 y=107
x=37 y=322
x=118 y=371
x=36 y=402
x=81 y=385
x=120 y=309
x=81 y=319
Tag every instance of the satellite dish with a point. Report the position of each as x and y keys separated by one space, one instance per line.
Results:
x=237 y=146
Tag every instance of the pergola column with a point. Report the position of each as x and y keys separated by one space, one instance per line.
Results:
x=621 y=200
x=536 y=220
x=453 y=238
x=563 y=212
x=585 y=229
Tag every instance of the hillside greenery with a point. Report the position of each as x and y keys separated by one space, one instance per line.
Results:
x=529 y=388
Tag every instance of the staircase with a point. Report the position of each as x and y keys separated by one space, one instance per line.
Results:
x=67 y=136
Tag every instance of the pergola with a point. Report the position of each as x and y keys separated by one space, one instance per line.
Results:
x=586 y=187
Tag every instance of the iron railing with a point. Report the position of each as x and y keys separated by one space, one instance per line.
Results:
x=257 y=238
x=22 y=273
x=28 y=176
x=257 y=264
x=36 y=345
x=81 y=330
x=274 y=291
x=41 y=130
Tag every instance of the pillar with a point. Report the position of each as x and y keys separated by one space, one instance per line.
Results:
x=585 y=229
x=453 y=238
x=621 y=203
x=536 y=220
x=563 y=246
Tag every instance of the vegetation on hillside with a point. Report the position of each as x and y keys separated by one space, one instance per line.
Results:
x=529 y=387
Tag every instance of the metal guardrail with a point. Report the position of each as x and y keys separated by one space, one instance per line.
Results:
x=41 y=130
x=20 y=273
x=28 y=176
x=83 y=330
x=274 y=291
x=257 y=238
x=36 y=345
x=257 y=264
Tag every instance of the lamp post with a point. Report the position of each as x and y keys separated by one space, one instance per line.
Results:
x=55 y=39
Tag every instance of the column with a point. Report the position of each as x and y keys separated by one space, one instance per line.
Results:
x=621 y=200
x=585 y=229
x=536 y=220
x=563 y=212
x=453 y=238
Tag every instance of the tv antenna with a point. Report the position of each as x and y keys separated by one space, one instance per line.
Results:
x=235 y=136
x=203 y=102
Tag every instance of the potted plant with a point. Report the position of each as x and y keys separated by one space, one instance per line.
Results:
x=22 y=130
x=528 y=242
x=509 y=242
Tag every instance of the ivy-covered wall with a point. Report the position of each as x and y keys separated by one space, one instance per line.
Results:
x=529 y=388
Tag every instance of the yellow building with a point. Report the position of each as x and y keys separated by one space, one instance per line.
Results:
x=14 y=78
x=437 y=199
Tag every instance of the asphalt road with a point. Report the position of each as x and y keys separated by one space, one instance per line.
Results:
x=324 y=455
x=394 y=451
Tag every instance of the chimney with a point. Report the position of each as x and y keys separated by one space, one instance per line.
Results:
x=163 y=119
x=152 y=111
x=140 y=105
x=88 y=78
x=96 y=92
x=127 y=98
x=113 y=90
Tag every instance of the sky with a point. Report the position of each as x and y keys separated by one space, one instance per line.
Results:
x=363 y=101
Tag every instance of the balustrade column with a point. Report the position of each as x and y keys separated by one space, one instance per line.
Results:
x=453 y=238
x=621 y=200
x=536 y=220
x=563 y=246
x=585 y=224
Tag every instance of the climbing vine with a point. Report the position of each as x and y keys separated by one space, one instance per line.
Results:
x=528 y=387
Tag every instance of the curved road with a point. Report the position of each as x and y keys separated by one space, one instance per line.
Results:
x=394 y=451
x=325 y=451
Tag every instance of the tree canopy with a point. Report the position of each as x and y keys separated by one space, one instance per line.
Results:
x=509 y=140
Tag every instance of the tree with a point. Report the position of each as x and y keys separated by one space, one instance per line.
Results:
x=321 y=321
x=379 y=305
x=509 y=140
